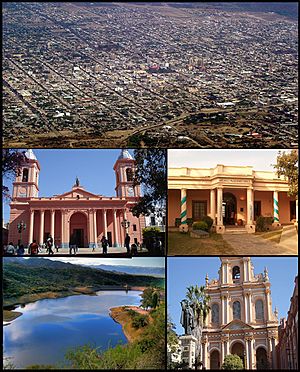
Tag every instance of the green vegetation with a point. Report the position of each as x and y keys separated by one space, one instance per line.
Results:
x=232 y=362
x=201 y=225
x=263 y=223
x=287 y=166
x=150 y=298
x=20 y=279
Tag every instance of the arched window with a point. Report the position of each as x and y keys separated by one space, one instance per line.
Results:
x=215 y=314
x=259 y=309
x=25 y=175
x=129 y=174
x=236 y=310
x=236 y=273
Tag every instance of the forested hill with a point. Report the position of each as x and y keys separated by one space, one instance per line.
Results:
x=33 y=275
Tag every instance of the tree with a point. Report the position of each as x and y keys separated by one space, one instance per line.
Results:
x=150 y=298
x=172 y=338
x=199 y=300
x=232 y=362
x=12 y=160
x=287 y=166
x=151 y=174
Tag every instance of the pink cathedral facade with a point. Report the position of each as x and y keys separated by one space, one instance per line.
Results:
x=76 y=216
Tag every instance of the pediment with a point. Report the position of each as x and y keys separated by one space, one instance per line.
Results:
x=237 y=324
x=78 y=191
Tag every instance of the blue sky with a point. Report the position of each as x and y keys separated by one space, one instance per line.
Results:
x=184 y=271
x=59 y=168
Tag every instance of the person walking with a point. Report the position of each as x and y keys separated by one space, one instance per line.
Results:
x=49 y=244
x=127 y=242
x=104 y=242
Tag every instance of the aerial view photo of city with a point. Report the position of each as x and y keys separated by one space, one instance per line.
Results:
x=205 y=75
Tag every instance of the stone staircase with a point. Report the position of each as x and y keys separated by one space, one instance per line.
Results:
x=235 y=230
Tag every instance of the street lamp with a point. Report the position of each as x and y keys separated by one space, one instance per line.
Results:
x=21 y=227
x=125 y=224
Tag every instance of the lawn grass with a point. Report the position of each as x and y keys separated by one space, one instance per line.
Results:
x=273 y=236
x=182 y=244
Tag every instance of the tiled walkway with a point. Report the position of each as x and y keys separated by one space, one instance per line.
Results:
x=250 y=244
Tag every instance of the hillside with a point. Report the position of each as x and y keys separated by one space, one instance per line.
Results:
x=37 y=275
x=134 y=270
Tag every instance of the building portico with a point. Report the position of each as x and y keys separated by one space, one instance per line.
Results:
x=230 y=195
x=77 y=217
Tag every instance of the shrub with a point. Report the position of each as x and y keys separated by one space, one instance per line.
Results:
x=140 y=321
x=263 y=222
x=208 y=220
x=232 y=362
x=200 y=225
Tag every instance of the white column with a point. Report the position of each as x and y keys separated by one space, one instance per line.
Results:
x=297 y=210
x=268 y=304
x=116 y=243
x=250 y=308
x=213 y=205
x=52 y=225
x=222 y=351
x=246 y=296
x=105 y=223
x=95 y=226
x=247 y=354
x=42 y=214
x=252 y=353
x=227 y=347
x=31 y=223
x=223 y=299
x=220 y=207
x=249 y=206
x=125 y=218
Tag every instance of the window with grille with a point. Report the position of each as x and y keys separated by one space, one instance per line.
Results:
x=199 y=210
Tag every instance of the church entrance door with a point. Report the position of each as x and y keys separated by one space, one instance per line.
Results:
x=261 y=359
x=78 y=237
x=238 y=349
x=78 y=230
x=215 y=360
x=229 y=211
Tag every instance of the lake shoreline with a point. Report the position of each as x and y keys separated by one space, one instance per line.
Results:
x=9 y=305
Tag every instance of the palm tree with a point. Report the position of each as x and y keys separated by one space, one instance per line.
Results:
x=199 y=300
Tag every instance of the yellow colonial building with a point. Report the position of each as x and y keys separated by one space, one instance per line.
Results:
x=241 y=320
x=233 y=196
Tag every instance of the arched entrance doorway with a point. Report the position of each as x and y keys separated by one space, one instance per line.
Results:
x=78 y=230
x=261 y=358
x=229 y=211
x=215 y=360
x=238 y=349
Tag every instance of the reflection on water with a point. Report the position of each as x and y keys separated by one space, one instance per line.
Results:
x=48 y=328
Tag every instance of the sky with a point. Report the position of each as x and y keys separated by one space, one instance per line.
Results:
x=261 y=160
x=135 y=261
x=185 y=271
x=59 y=169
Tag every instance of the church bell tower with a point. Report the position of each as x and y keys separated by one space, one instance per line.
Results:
x=124 y=169
x=26 y=183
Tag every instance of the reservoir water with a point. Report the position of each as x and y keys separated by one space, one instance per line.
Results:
x=48 y=328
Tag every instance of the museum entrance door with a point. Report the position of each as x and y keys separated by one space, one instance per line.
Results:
x=215 y=360
x=261 y=359
x=78 y=230
x=238 y=349
x=229 y=210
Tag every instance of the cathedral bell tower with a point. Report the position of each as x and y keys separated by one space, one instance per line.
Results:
x=124 y=169
x=26 y=183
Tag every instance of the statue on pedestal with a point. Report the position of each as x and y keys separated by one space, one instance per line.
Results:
x=187 y=317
